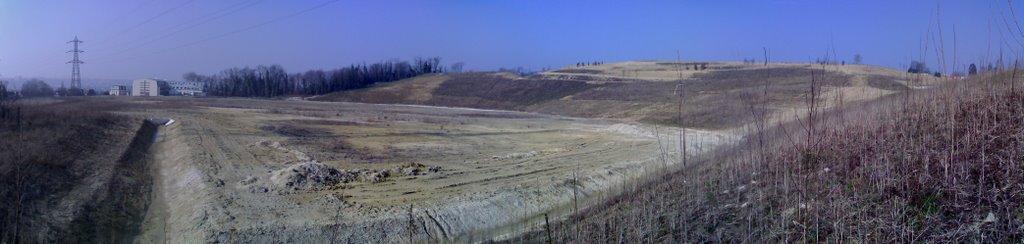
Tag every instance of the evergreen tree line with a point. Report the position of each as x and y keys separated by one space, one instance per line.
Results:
x=271 y=81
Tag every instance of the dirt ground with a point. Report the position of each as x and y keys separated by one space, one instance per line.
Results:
x=299 y=171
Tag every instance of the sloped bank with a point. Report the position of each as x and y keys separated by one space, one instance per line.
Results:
x=117 y=215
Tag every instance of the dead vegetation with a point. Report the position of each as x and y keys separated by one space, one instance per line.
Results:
x=56 y=163
x=492 y=91
x=941 y=165
x=885 y=83
x=714 y=95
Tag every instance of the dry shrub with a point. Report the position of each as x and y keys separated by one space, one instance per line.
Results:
x=942 y=165
x=46 y=155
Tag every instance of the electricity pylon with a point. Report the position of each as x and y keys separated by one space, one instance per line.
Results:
x=76 y=72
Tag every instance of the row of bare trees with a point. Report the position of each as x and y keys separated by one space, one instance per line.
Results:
x=271 y=81
x=39 y=88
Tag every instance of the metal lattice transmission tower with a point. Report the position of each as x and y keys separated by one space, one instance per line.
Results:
x=76 y=72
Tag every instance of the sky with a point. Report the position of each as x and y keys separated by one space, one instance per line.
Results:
x=166 y=38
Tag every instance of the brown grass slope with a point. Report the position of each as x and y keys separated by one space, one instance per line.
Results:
x=713 y=98
x=941 y=165
x=61 y=166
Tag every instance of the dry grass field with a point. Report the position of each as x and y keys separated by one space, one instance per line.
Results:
x=713 y=98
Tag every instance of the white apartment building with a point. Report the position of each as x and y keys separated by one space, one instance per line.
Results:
x=118 y=90
x=186 y=88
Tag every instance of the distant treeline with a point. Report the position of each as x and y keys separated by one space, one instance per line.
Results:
x=271 y=81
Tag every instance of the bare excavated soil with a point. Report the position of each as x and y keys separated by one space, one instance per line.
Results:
x=244 y=170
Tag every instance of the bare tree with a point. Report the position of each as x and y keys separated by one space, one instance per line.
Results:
x=36 y=88
x=456 y=67
x=918 y=67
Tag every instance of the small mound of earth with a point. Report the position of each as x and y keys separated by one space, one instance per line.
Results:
x=365 y=175
x=410 y=169
x=306 y=176
x=376 y=175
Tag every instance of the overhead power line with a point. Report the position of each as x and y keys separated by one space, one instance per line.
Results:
x=150 y=19
x=185 y=26
x=126 y=13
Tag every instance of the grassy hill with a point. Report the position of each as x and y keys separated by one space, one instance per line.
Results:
x=936 y=165
x=714 y=95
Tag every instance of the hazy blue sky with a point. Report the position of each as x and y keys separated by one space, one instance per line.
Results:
x=166 y=38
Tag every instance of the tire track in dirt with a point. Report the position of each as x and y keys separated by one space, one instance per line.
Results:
x=498 y=178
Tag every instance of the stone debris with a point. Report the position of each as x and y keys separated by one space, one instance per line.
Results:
x=991 y=218
x=306 y=176
x=515 y=156
x=317 y=176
